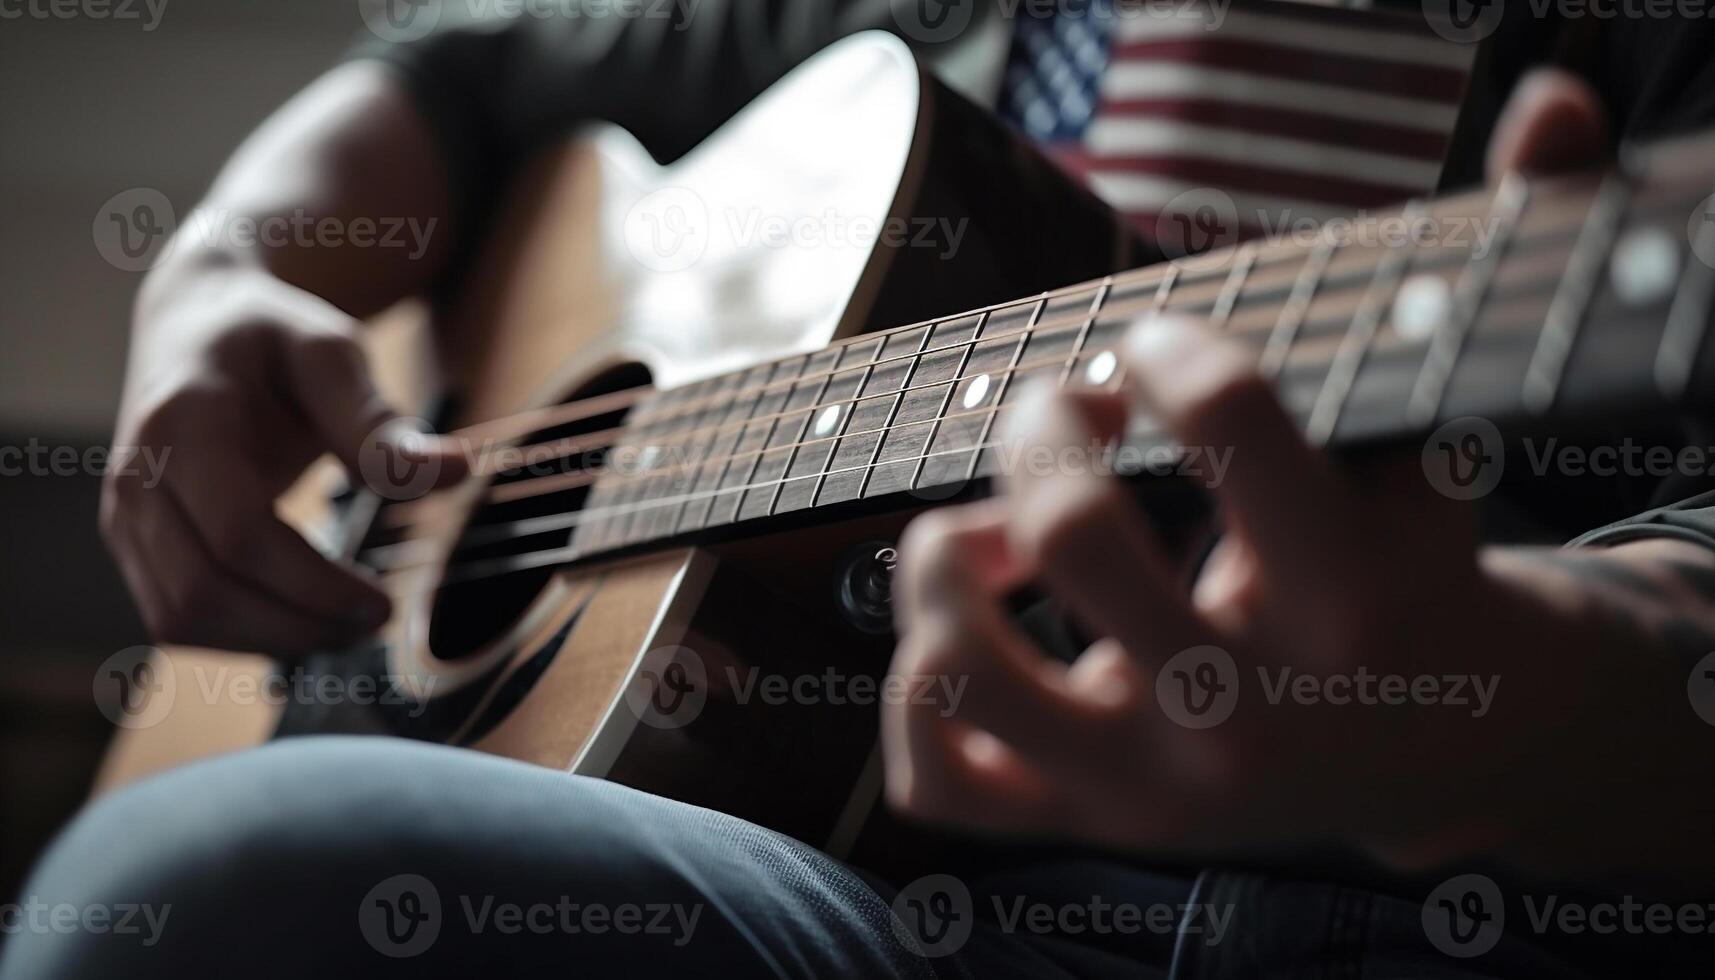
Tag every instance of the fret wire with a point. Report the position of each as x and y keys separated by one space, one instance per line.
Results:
x=1448 y=341
x=1170 y=276
x=1687 y=324
x=1161 y=274
x=947 y=399
x=1162 y=291
x=1084 y=330
x=1296 y=307
x=1023 y=365
x=842 y=431
x=750 y=420
x=458 y=572
x=1164 y=286
x=797 y=438
x=1229 y=294
x=701 y=436
x=892 y=414
x=1571 y=302
x=1000 y=389
x=1141 y=275
x=1360 y=333
x=756 y=456
x=551 y=522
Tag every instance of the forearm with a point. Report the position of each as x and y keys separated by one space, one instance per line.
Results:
x=341 y=193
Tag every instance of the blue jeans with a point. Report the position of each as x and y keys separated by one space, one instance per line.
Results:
x=370 y=857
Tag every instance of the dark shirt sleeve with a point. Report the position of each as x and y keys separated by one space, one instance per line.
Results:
x=494 y=90
x=1692 y=520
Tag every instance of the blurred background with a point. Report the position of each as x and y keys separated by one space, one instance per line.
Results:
x=154 y=95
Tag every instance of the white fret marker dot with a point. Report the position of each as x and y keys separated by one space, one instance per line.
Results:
x=1101 y=368
x=978 y=391
x=1644 y=267
x=826 y=421
x=1420 y=306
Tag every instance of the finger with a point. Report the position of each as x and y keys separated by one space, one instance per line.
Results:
x=982 y=700
x=328 y=375
x=198 y=603
x=232 y=512
x=1293 y=508
x=948 y=773
x=1553 y=121
x=958 y=648
x=1080 y=531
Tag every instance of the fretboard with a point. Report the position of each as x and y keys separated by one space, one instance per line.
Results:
x=1536 y=301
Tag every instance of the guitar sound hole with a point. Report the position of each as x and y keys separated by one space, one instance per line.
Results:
x=468 y=615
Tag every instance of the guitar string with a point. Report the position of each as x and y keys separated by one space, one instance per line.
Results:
x=1017 y=337
x=460 y=570
x=552 y=450
x=532 y=527
x=1201 y=268
x=533 y=455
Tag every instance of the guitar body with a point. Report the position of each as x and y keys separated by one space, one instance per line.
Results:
x=856 y=194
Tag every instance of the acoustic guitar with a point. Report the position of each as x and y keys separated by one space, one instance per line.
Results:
x=700 y=429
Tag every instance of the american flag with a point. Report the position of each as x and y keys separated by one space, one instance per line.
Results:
x=1281 y=110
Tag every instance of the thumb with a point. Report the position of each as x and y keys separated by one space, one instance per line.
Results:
x=1553 y=121
x=393 y=455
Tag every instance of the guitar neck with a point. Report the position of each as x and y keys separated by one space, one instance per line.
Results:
x=1536 y=302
